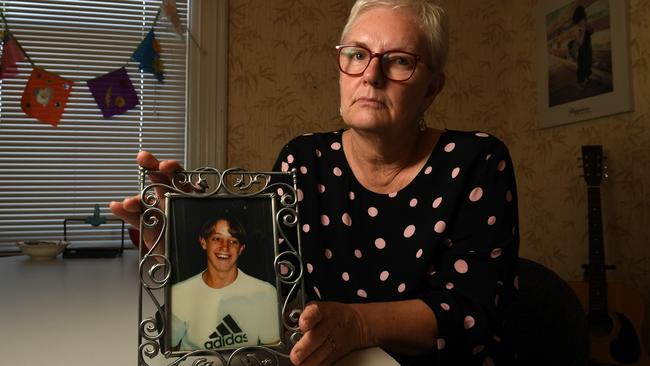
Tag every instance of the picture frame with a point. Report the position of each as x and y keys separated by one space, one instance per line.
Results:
x=221 y=279
x=583 y=60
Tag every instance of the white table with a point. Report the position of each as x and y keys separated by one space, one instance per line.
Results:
x=75 y=311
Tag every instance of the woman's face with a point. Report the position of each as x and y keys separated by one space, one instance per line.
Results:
x=371 y=102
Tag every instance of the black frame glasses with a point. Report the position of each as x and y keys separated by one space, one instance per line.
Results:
x=384 y=57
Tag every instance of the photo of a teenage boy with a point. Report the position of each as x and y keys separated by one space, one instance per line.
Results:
x=223 y=307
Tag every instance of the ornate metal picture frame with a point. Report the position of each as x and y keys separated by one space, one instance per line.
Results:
x=200 y=228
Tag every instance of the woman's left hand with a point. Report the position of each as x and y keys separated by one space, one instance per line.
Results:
x=330 y=331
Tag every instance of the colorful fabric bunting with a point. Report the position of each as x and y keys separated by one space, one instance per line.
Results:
x=46 y=96
x=113 y=92
x=148 y=54
x=11 y=53
x=171 y=13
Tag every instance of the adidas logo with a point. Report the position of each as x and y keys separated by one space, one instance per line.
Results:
x=228 y=333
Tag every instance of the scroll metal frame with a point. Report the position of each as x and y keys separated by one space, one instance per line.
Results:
x=155 y=267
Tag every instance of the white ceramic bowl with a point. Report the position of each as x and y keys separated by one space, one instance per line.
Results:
x=42 y=250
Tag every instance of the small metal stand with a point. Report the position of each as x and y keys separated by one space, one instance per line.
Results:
x=92 y=252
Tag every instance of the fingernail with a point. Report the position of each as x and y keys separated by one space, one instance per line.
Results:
x=298 y=356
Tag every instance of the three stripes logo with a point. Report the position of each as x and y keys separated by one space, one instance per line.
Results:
x=228 y=334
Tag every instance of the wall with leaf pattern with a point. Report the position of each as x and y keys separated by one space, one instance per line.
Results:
x=283 y=82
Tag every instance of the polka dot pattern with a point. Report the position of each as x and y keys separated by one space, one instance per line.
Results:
x=384 y=276
x=409 y=231
x=492 y=220
x=440 y=227
x=440 y=343
x=461 y=266
x=380 y=243
x=437 y=202
x=324 y=220
x=450 y=147
x=347 y=220
x=476 y=194
x=362 y=246
x=469 y=322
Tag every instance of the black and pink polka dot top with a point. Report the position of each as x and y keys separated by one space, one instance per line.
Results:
x=450 y=238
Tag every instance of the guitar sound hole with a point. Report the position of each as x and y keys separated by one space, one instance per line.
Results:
x=600 y=325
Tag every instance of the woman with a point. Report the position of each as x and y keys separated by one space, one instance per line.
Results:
x=409 y=233
x=582 y=38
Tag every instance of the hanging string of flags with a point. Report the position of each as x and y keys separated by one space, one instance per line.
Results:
x=46 y=94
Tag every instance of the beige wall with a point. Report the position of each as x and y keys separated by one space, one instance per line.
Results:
x=283 y=82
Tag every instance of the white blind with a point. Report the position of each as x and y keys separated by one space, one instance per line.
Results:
x=48 y=174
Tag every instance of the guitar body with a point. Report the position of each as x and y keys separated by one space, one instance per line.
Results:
x=616 y=340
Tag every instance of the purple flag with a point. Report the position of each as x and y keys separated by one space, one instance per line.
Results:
x=113 y=92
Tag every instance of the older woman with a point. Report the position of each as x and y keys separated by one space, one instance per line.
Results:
x=410 y=233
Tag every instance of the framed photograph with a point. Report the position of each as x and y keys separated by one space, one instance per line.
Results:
x=222 y=281
x=583 y=58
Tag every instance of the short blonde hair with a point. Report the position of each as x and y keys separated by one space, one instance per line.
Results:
x=433 y=20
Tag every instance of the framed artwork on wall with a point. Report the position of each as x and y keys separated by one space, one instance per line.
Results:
x=583 y=60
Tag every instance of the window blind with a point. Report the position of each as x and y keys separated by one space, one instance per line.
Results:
x=50 y=173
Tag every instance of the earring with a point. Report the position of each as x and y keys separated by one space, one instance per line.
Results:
x=422 y=124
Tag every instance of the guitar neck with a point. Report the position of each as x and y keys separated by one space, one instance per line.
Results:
x=597 y=275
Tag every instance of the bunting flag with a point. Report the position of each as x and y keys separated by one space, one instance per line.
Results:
x=148 y=54
x=171 y=13
x=45 y=96
x=11 y=53
x=113 y=92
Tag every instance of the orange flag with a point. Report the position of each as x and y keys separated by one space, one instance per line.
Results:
x=45 y=96
x=11 y=53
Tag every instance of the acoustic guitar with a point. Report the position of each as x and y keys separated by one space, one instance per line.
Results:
x=614 y=312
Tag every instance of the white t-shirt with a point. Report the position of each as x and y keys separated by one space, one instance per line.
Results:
x=244 y=313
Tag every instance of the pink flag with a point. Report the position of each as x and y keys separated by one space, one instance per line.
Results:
x=11 y=53
x=170 y=11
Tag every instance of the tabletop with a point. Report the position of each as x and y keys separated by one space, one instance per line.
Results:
x=79 y=311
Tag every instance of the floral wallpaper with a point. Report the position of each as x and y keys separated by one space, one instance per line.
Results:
x=283 y=82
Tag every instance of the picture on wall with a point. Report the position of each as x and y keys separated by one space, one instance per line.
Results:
x=583 y=60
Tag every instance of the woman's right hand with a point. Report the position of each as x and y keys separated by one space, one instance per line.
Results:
x=130 y=208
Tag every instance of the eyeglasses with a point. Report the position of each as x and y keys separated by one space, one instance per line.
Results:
x=395 y=65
